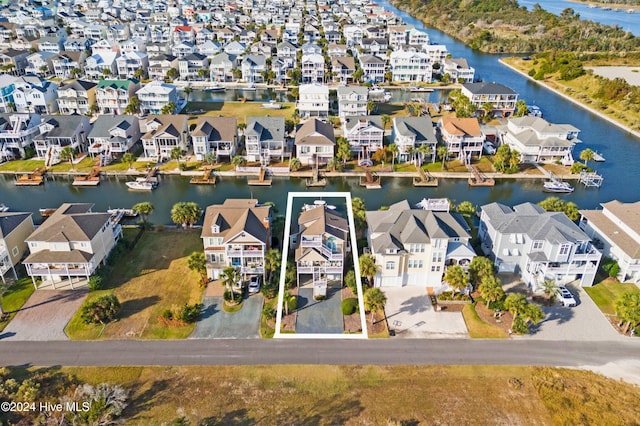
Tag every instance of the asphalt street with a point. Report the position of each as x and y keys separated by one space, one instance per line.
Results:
x=311 y=351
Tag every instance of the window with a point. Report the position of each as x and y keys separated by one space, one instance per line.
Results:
x=438 y=244
x=414 y=264
x=564 y=249
x=215 y=229
x=390 y=266
x=416 y=248
x=537 y=245
x=437 y=257
x=15 y=251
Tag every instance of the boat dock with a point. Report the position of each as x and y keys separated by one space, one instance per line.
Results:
x=261 y=181
x=425 y=179
x=47 y=212
x=370 y=181
x=207 y=178
x=32 y=179
x=479 y=178
x=316 y=180
x=92 y=179
x=591 y=179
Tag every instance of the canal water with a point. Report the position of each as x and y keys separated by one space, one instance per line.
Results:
x=621 y=171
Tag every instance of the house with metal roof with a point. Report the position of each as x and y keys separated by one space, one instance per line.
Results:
x=70 y=245
x=537 y=244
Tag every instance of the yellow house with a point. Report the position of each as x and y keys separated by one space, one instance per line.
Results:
x=14 y=230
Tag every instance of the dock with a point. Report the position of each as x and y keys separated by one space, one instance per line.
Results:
x=207 y=178
x=370 y=181
x=46 y=212
x=261 y=181
x=317 y=180
x=479 y=178
x=32 y=179
x=591 y=179
x=92 y=179
x=425 y=179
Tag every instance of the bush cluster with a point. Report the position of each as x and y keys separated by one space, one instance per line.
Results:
x=349 y=306
x=185 y=313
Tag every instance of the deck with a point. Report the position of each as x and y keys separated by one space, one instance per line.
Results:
x=479 y=178
x=261 y=181
x=425 y=179
x=32 y=179
x=207 y=178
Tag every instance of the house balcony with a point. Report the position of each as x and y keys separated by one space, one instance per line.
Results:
x=252 y=270
x=59 y=269
x=245 y=253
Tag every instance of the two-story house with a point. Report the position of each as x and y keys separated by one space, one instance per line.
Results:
x=215 y=135
x=537 y=244
x=413 y=247
x=265 y=139
x=616 y=230
x=160 y=64
x=321 y=242
x=101 y=64
x=253 y=67
x=14 y=230
x=410 y=66
x=17 y=132
x=113 y=135
x=236 y=233
x=113 y=96
x=76 y=97
x=313 y=100
x=352 y=100
x=130 y=63
x=68 y=64
x=35 y=95
x=459 y=70
x=502 y=98
x=373 y=67
x=58 y=132
x=364 y=133
x=70 y=245
x=410 y=133
x=462 y=137
x=156 y=95
x=315 y=142
x=343 y=68
x=162 y=133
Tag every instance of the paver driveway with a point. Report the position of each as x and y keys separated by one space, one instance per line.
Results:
x=215 y=323
x=410 y=315
x=45 y=315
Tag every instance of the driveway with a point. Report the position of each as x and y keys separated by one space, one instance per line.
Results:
x=214 y=323
x=410 y=315
x=315 y=317
x=582 y=322
x=45 y=315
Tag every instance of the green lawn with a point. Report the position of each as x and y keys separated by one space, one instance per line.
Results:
x=21 y=165
x=479 y=329
x=147 y=280
x=15 y=298
x=605 y=294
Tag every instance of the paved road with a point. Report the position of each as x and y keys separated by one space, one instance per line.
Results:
x=336 y=352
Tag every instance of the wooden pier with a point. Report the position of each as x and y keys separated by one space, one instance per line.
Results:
x=479 y=179
x=370 y=181
x=425 y=179
x=92 y=179
x=261 y=181
x=32 y=179
x=316 y=180
x=207 y=178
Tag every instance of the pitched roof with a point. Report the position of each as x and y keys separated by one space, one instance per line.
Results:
x=419 y=127
x=461 y=126
x=626 y=214
x=235 y=216
x=315 y=132
x=266 y=128
x=10 y=221
x=70 y=222
x=216 y=128
x=117 y=84
x=489 y=89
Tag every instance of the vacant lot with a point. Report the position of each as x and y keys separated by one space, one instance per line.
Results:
x=152 y=277
x=368 y=395
x=241 y=110
x=605 y=294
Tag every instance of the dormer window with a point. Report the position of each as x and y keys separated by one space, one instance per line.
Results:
x=215 y=229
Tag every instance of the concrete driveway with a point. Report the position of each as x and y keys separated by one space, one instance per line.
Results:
x=582 y=322
x=315 y=317
x=45 y=315
x=214 y=323
x=410 y=314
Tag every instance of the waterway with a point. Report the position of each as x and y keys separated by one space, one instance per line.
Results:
x=621 y=171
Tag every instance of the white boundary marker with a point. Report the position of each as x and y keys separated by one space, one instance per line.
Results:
x=356 y=266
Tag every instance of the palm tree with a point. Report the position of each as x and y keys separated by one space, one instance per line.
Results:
x=491 y=289
x=198 y=263
x=425 y=151
x=456 y=277
x=480 y=268
x=67 y=154
x=145 y=209
x=272 y=261
x=185 y=213
x=333 y=164
x=128 y=158
x=374 y=300
x=238 y=161
x=371 y=106
x=368 y=267
x=139 y=73
x=187 y=91
x=295 y=164
x=133 y=107
x=516 y=303
x=587 y=155
x=385 y=121
x=549 y=287
x=168 y=108
x=442 y=152
x=393 y=149
x=628 y=309
x=176 y=154
x=230 y=277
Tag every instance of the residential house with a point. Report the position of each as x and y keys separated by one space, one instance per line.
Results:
x=103 y=45
x=183 y=49
x=462 y=137
x=236 y=233
x=134 y=45
x=312 y=67
x=313 y=100
x=15 y=61
x=221 y=67
x=616 y=231
x=129 y=64
x=66 y=62
x=410 y=66
x=58 y=132
x=113 y=135
x=373 y=68
x=76 y=97
x=215 y=135
x=14 y=230
x=7 y=87
x=399 y=35
x=162 y=133
x=160 y=64
x=156 y=95
x=417 y=38
x=184 y=33
x=35 y=95
x=17 y=131
x=502 y=98
x=335 y=50
x=459 y=70
x=70 y=245
x=374 y=46
x=413 y=247
x=235 y=48
x=209 y=48
x=311 y=49
x=113 y=96
x=437 y=53
x=365 y=134
x=537 y=244
x=352 y=100
x=253 y=67
x=321 y=243
x=343 y=68
x=265 y=139
x=51 y=44
x=353 y=35
x=315 y=142
x=101 y=64
x=77 y=44
x=539 y=141
x=410 y=133
x=194 y=66
x=40 y=63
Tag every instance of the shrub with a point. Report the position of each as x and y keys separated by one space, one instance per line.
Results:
x=190 y=313
x=520 y=326
x=182 y=167
x=167 y=314
x=228 y=296
x=269 y=312
x=101 y=311
x=95 y=283
x=349 y=306
x=497 y=306
x=319 y=297
x=350 y=281
x=292 y=303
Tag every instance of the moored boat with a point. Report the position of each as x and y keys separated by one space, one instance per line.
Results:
x=559 y=186
x=141 y=184
x=215 y=88
x=3 y=208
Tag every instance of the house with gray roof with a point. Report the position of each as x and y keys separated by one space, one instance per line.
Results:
x=252 y=67
x=352 y=100
x=236 y=233
x=265 y=139
x=364 y=134
x=502 y=98
x=215 y=135
x=70 y=245
x=14 y=229
x=315 y=142
x=162 y=133
x=410 y=133
x=537 y=244
x=59 y=132
x=320 y=241
x=113 y=135
x=413 y=247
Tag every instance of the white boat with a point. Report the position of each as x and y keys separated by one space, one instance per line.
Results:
x=141 y=184
x=556 y=185
x=420 y=89
x=387 y=96
x=592 y=6
x=534 y=111
x=3 y=208
x=598 y=157
x=630 y=11
x=215 y=88
x=272 y=105
x=317 y=203
x=125 y=212
x=251 y=86
x=376 y=90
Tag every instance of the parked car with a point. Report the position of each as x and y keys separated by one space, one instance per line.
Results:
x=254 y=284
x=489 y=148
x=565 y=297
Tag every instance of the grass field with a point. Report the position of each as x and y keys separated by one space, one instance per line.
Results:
x=241 y=110
x=479 y=329
x=151 y=278
x=605 y=294
x=367 y=395
x=15 y=297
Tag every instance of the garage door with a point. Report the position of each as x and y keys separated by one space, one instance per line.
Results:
x=387 y=281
